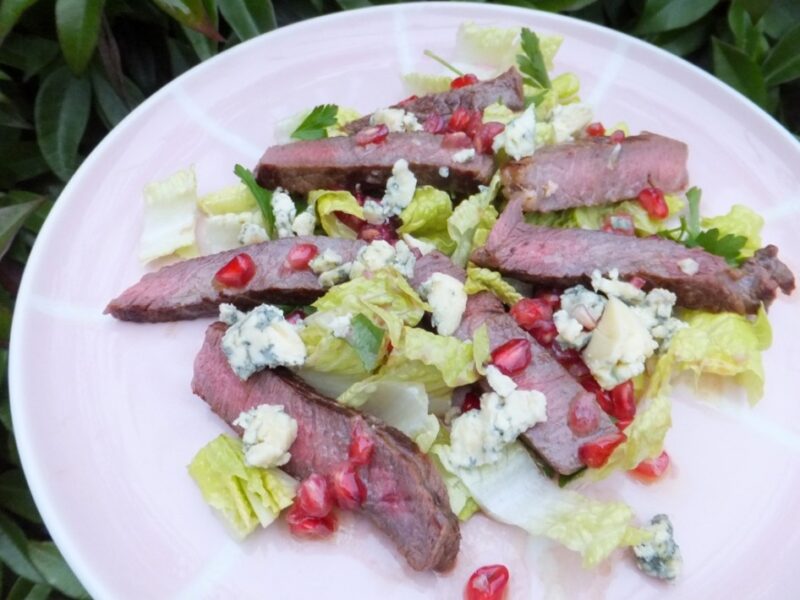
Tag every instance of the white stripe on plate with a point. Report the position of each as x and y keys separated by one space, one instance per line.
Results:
x=215 y=570
x=782 y=210
x=751 y=420
x=66 y=311
x=609 y=74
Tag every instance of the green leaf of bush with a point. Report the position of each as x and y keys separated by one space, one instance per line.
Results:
x=783 y=62
x=15 y=496
x=12 y=218
x=14 y=550
x=10 y=12
x=54 y=569
x=739 y=71
x=665 y=15
x=248 y=18
x=78 y=25
x=27 y=590
x=61 y=113
x=193 y=14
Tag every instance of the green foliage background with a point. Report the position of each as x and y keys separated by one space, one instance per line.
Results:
x=70 y=70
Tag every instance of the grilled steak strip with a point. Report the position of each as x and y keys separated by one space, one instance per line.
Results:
x=186 y=290
x=406 y=498
x=340 y=163
x=566 y=257
x=506 y=88
x=595 y=171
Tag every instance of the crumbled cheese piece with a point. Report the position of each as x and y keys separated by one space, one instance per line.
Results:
x=260 y=339
x=338 y=325
x=656 y=313
x=464 y=155
x=613 y=287
x=569 y=118
x=550 y=188
x=412 y=242
x=447 y=299
x=502 y=384
x=404 y=260
x=395 y=119
x=689 y=266
x=252 y=234
x=268 y=434
x=336 y=276
x=284 y=210
x=229 y=314
x=373 y=212
x=580 y=311
x=326 y=261
x=373 y=257
x=399 y=189
x=444 y=172
x=660 y=556
x=305 y=223
x=519 y=137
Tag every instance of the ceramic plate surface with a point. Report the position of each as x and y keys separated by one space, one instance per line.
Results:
x=106 y=422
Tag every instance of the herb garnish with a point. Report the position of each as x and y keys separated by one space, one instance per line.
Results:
x=366 y=339
x=314 y=126
x=531 y=62
x=689 y=234
x=263 y=197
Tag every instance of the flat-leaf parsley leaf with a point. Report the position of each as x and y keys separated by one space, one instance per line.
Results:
x=314 y=126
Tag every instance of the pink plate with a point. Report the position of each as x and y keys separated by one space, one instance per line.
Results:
x=106 y=422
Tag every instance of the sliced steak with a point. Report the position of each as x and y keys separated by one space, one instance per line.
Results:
x=506 y=88
x=406 y=498
x=339 y=163
x=186 y=290
x=565 y=257
x=595 y=171
x=552 y=440
x=435 y=262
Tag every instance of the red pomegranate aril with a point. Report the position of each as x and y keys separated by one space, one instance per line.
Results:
x=237 y=272
x=487 y=583
x=463 y=81
x=622 y=224
x=295 y=316
x=583 y=416
x=603 y=398
x=306 y=526
x=637 y=282
x=485 y=135
x=348 y=488
x=544 y=332
x=472 y=401
x=361 y=447
x=372 y=135
x=622 y=424
x=528 y=311
x=595 y=130
x=624 y=404
x=435 y=123
x=513 y=356
x=300 y=255
x=652 y=200
x=565 y=355
x=456 y=141
x=617 y=136
x=350 y=221
x=595 y=454
x=459 y=120
x=474 y=125
x=651 y=469
x=371 y=233
x=553 y=298
x=314 y=496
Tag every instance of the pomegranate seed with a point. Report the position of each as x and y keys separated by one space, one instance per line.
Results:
x=485 y=135
x=528 y=311
x=565 y=355
x=295 y=316
x=456 y=141
x=577 y=369
x=237 y=272
x=617 y=136
x=306 y=526
x=350 y=221
x=348 y=489
x=583 y=417
x=652 y=200
x=361 y=446
x=472 y=401
x=407 y=100
x=314 y=496
x=637 y=282
x=372 y=135
x=595 y=454
x=622 y=424
x=624 y=405
x=474 y=125
x=487 y=583
x=300 y=255
x=459 y=120
x=513 y=356
x=435 y=123
x=603 y=398
x=595 y=130
x=652 y=468
x=371 y=233
x=622 y=224
x=463 y=81
x=553 y=298
x=544 y=332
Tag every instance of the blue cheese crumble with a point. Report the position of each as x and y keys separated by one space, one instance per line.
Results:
x=381 y=254
x=580 y=311
x=259 y=339
x=660 y=556
x=399 y=189
x=252 y=233
x=568 y=119
x=268 y=434
x=518 y=139
x=373 y=212
x=329 y=259
x=285 y=212
x=464 y=155
x=306 y=222
x=447 y=299
x=396 y=120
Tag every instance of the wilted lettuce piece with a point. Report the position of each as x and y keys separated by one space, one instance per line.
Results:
x=169 y=215
x=480 y=280
x=725 y=344
x=328 y=202
x=498 y=47
x=499 y=113
x=244 y=496
x=455 y=360
x=740 y=220
x=472 y=220
x=232 y=199
x=567 y=86
x=514 y=491
x=223 y=232
x=426 y=216
x=425 y=83
x=328 y=354
x=461 y=503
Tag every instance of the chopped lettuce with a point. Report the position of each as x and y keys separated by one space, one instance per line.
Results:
x=223 y=232
x=327 y=203
x=567 y=86
x=244 y=496
x=343 y=116
x=232 y=199
x=740 y=220
x=329 y=354
x=426 y=218
x=498 y=47
x=425 y=83
x=285 y=127
x=472 y=220
x=169 y=215
x=515 y=491
x=461 y=503
x=479 y=280
x=498 y=113
x=725 y=344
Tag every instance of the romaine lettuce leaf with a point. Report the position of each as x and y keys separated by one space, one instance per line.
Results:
x=472 y=220
x=426 y=216
x=740 y=220
x=222 y=232
x=480 y=279
x=461 y=503
x=425 y=83
x=328 y=354
x=455 y=360
x=327 y=203
x=244 y=496
x=169 y=215
x=498 y=113
x=498 y=47
x=235 y=198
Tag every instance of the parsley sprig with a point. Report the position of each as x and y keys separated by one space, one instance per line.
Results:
x=263 y=197
x=314 y=126
x=531 y=62
x=689 y=234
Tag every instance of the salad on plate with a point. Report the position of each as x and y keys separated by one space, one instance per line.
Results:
x=473 y=299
